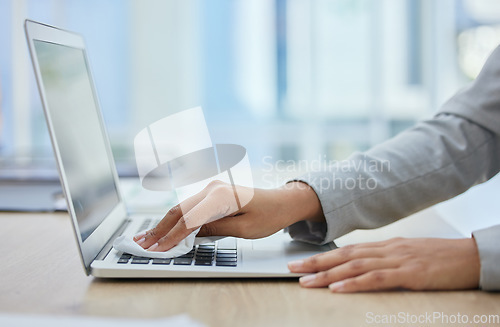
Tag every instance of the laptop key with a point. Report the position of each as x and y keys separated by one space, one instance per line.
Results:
x=182 y=261
x=220 y=259
x=226 y=255
x=203 y=263
x=204 y=258
x=206 y=249
x=206 y=246
x=226 y=251
x=125 y=260
x=161 y=261
x=225 y=264
x=140 y=261
x=205 y=254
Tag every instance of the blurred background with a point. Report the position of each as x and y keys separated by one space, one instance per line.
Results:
x=288 y=79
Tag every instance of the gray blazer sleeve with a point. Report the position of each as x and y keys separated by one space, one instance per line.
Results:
x=429 y=163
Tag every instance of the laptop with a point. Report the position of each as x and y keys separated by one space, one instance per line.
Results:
x=91 y=187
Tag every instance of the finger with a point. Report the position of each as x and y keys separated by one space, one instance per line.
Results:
x=170 y=218
x=213 y=202
x=218 y=203
x=173 y=237
x=163 y=227
x=376 y=280
x=327 y=260
x=347 y=270
x=151 y=236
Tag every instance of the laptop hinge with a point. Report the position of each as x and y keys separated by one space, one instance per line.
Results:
x=107 y=247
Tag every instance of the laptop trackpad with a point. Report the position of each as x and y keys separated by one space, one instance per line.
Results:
x=281 y=246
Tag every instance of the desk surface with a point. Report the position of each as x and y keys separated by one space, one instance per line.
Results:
x=41 y=273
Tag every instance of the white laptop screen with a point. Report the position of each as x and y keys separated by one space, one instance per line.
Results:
x=74 y=113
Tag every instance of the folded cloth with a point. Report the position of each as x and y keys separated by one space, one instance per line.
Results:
x=125 y=243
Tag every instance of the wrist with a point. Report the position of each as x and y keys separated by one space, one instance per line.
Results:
x=302 y=202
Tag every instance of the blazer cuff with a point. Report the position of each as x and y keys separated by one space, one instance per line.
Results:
x=489 y=255
x=320 y=232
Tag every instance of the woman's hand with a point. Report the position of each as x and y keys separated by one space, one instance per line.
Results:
x=415 y=264
x=215 y=210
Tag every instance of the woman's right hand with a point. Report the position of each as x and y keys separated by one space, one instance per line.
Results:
x=216 y=211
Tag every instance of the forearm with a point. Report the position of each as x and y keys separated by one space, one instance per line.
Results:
x=432 y=162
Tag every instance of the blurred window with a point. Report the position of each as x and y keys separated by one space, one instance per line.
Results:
x=289 y=79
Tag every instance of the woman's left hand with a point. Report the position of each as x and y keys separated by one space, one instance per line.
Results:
x=415 y=264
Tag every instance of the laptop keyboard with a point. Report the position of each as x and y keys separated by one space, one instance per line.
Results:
x=220 y=253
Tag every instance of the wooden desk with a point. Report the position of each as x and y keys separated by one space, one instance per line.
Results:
x=41 y=273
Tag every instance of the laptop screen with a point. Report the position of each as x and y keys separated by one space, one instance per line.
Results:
x=74 y=113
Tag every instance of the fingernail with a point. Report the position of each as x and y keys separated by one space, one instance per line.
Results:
x=152 y=247
x=139 y=236
x=307 y=279
x=295 y=264
x=142 y=240
x=337 y=286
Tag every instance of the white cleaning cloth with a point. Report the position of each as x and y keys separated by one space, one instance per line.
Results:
x=125 y=243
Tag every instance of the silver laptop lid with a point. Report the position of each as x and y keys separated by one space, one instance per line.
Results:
x=81 y=146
